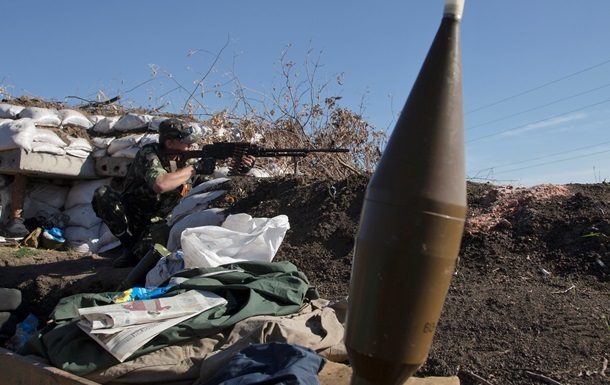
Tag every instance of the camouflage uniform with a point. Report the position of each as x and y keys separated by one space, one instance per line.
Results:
x=138 y=209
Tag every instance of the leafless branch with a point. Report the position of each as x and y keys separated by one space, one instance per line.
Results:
x=475 y=377
x=542 y=378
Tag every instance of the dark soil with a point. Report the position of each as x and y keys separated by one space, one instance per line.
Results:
x=528 y=303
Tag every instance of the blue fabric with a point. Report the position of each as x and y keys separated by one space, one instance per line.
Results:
x=271 y=363
x=56 y=233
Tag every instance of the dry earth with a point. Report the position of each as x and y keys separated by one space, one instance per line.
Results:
x=528 y=303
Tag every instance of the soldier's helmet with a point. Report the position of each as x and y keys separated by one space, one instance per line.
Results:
x=177 y=129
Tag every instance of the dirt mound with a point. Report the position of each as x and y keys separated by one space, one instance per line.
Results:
x=528 y=303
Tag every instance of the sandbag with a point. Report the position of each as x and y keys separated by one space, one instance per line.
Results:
x=45 y=135
x=17 y=134
x=132 y=122
x=82 y=239
x=124 y=142
x=74 y=118
x=50 y=194
x=82 y=192
x=209 y=217
x=100 y=142
x=47 y=148
x=82 y=215
x=41 y=116
x=80 y=144
x=10 y=111
x=105 y=124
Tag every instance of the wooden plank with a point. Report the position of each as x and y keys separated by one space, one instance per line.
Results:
x=338 y=374
x=18 y=195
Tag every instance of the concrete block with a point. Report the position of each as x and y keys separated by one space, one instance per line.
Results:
x=115 y=167
x=18 y=161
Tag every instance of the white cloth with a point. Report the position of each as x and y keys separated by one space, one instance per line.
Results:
x=240 y=238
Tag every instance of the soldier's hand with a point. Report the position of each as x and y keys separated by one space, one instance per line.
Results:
x=205 y=166
x=247 y=162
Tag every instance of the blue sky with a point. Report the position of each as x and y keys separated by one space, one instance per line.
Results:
x=536 y=73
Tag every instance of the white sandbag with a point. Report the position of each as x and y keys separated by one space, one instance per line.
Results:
x=82 y=215
x=78 y=153
x=79 y=144
x=129 y=153
x=41 y=116
x=148 y=138
x=10 y=111
x=205 y=186
x=94 y=119
x=80 y=233
x=82 y=192
x=106 y=124
x=100 y=142
x=45 y=135
x=196 y=200
x=82 y=239
x=99 y=153
x=107 y=241
x=192 y=203
x=74 y=118
x=132 y=122
x=240 y=238
x=17 y=134
x=78 y=246
x=108 y=246
x=50 y=194
x=48 y=148
x=79 y=147
x=209 y=217
x=106 y=238
x=124 y=142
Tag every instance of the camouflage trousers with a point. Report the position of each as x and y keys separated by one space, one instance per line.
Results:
x=134 y=231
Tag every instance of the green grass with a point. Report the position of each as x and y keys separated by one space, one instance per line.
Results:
x=18 y=253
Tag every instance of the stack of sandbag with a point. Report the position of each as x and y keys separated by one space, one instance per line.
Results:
x=30 y=128
x=82 y=232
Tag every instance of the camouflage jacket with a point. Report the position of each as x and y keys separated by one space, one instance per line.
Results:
x=138 y=196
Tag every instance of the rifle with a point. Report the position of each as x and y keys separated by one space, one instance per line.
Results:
x=236 y=150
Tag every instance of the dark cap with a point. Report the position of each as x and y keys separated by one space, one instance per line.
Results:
x=177 y=129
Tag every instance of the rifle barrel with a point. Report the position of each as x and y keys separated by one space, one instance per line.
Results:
x=294 y=151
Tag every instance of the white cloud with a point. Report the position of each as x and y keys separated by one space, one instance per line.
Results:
x=553 y=123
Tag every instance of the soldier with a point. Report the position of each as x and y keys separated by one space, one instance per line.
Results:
x=153 y=186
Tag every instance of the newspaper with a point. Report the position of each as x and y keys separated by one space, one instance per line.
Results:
x=123 y=328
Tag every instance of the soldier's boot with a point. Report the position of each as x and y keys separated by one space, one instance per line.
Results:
x=127 y=257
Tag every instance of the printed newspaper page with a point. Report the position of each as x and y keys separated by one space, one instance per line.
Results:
x=123 y=328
